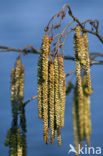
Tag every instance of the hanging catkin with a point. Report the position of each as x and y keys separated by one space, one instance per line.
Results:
x=17 y=92
x=87 y=111
x=79 y=84
x=87 y=68
x=51 y=99
x=45 y=54
x=62 y=88
x=56 y=87
x=75 y=118
x=40 y=89
x=51 y=91
x=57 y=99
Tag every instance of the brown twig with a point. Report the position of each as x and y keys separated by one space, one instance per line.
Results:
x=73 y=72
x=34 y=97
x=27 y=49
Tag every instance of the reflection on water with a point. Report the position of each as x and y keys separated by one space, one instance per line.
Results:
x=16 y=137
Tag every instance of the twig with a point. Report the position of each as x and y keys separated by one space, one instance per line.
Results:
x=34 y=97
x=27 y=49
x=73 y=72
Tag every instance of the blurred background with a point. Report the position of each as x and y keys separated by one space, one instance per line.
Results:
x=22 y=23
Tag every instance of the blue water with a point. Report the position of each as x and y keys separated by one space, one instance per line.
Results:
x=22 y=23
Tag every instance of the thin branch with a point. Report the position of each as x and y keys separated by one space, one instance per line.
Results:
x=27 y=49
x=34 y=97
x=73 y=72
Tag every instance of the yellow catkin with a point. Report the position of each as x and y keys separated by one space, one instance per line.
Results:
x=62 y=87
x=17 y=76
x=21 y=90
x=40 y=81
x=80 y=90
x=19 y=80
x=19 y=145
x=78 y=42
x=40 y=101
x=17 y=88
x=64 y=96
x=75 y=120
x=13 y=84
x=85 y=37
x=51 y=99
x=45 y=55
x=56 y=90
x=87 y=112
x=59 y=136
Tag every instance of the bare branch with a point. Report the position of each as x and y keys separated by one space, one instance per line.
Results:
x=27 y=49
x=73 y=72
x=34 y=97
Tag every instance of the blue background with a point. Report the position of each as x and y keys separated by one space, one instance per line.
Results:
x=22 y=23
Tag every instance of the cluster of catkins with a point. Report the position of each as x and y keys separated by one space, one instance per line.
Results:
x=81 y=102
x=51 y=91
x=17 y=94
x=16 y=142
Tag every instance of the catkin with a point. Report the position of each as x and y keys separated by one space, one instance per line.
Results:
x=62 y=88
x=45 y=54
x=75 y=118
x=80 y=89
x=85 y=37
x=17 y=91
x=56 y=90
x=59 y=136
x=51 y=92
x=87 y=111
x=40 y=81
x=51 y=99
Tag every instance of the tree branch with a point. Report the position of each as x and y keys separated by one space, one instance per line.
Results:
x=30 y=49
x=27 y=49
x=34 y=97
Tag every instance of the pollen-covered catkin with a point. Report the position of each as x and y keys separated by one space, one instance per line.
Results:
x=51 y=99
x=75 y=118
x=56 y=91
x=59 y=136
x=62 y=88
x=13 y=84
x=21 y=92
x=40 y=81
x=78 y=43
x=85 y=37
x=45 y=54
x=87 y=119
x=80 y=90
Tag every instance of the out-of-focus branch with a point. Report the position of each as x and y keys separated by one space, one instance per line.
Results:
x=28 y=49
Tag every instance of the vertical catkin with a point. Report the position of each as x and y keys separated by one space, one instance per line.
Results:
x=87 y=119
x=56 y=91
x=40 y=81
x=59 y=136
x=45 y=54
x=75 y=118
x=12 y=83
x=62 y=88
x=79 y=84
x=19 y=144
x=19 y=75
x=85 y=37
x=51 y=99
x=21 y=90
